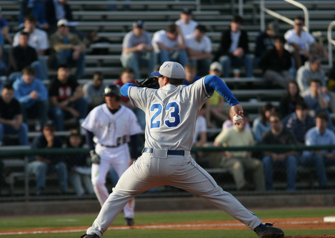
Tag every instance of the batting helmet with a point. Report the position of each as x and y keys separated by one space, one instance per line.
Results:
x=112 y=90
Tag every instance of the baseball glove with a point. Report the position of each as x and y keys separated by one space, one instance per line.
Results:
x=95 y=158
x=149 y=82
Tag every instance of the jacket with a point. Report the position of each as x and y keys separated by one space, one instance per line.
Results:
x=270 y=61
x=225 y=43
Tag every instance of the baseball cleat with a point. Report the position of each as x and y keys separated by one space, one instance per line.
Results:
x=269 y=231
x=129 y=221
x=90 y=236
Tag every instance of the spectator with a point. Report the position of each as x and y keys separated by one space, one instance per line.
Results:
x=93 y=91
x=200 y=128
x=190 y=74
x=319 y=135
x=313 y=70
x=288 y=103
x=261 y=124
x=168 y=47
x=45 y=164
x=215 y=104
x=32 y=95
x=234 y=48
x=300 y=122
x=24 y=55
x=317 y=101
x=275 y=64
x=35 y=8
x=78 y=169
x=275 y=159
x=137 y=49
x=238 y=162
x=200 y=133
x=66 y=98
x=186 y=24
x=266 y=40
x=297 y=39
x=199 y=49
x=11 y=116
x=56 y=10
x=38 y=39
x=4 y=29
x=128 y=76
x=67 y=48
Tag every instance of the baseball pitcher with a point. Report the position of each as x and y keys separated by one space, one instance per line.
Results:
x=171 y=113
x=110 y=126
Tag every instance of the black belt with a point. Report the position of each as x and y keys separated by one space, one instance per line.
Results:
x=110 y=146
x=169 y=152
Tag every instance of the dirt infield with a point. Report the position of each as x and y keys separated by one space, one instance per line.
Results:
x=292 y=223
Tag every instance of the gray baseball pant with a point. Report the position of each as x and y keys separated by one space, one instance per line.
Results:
x=177 y=171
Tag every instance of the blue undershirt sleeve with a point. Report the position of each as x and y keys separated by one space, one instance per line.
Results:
x=213 y=82
x=124 y=89
x=89 y=140
x=133 y=145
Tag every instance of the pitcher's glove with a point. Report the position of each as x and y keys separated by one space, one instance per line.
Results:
x=149 y=82
x=95 y=158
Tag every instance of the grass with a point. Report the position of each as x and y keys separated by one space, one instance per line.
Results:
x=156 y=218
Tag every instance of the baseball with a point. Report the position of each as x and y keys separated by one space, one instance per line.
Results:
x=237 y=119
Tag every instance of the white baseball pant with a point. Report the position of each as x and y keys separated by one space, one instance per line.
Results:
x=178 y=171
x=119 y=158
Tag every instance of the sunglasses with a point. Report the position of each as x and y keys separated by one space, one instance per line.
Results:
x=299 y=24
x=275 y=121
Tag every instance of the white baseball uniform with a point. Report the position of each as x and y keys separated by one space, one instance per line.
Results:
x=111 y=134
x=171 y=114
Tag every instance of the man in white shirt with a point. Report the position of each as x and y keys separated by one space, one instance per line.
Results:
x=297 y=41
x=137 y=49
x=199 y=49
x=168 y=47
x=38 y=39
x=186 y=24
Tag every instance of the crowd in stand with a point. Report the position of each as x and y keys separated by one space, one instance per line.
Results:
x=303 y=116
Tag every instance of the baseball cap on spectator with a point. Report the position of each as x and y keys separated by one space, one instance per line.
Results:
x=62 y=22
x=138 y=24
x=273 y=27
x=170 y=69
x=187 y=11
x=49 y=124
x=75 y=132
x=216 y=66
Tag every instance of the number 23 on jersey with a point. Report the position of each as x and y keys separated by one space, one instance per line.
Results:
x=173 y=115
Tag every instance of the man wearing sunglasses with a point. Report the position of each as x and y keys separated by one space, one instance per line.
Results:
x=298 y=39
x=286 y=159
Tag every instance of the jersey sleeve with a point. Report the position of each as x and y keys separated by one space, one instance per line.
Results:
x=89 y=122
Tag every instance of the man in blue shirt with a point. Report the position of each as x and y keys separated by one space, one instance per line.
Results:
x=319 y=135
x=32 y=95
